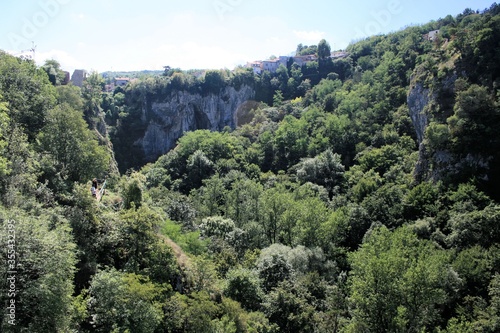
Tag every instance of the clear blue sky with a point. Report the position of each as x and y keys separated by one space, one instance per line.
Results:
x=149 y=34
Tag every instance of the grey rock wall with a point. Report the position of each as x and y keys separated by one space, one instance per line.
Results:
x=418 y=99
x=167 y=119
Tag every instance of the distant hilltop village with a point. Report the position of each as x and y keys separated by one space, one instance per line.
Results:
x=80 y=75
x=272 y=65
x=259 y=66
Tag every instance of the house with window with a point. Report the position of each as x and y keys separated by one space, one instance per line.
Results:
x=271 y=65
x=121 y=81
x=284 y=60
x=431 y=35
x=339 y=55
x=302 y=60
x=256 y=66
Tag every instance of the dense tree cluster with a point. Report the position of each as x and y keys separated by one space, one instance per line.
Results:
x=332 y=209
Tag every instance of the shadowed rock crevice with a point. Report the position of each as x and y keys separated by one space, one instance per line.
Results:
x=164 y=118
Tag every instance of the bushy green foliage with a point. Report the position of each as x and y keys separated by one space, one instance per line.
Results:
x=325 y=212
x=326 y=170
x=287 y=308
x=71 y=151
x=27 y=91
x=53 y=69
x=132 y=188
x=397 y=282
x=243 y=285
x=191 y=313
x=41 y=272
x=4 y=120
x=214 y=81
x=123 y=302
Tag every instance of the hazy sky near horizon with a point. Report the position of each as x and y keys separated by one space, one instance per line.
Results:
x=149 y=34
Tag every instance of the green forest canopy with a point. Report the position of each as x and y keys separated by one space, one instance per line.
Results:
x=335 y=208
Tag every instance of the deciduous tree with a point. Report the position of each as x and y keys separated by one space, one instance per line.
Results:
x=397 y=282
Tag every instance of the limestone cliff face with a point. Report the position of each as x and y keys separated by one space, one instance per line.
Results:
x=418 y=100
x=166 y=119
x=425 y=106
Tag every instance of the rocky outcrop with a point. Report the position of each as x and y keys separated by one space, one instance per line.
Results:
x=418 y=99
x=101 y=130
x=437 y=163
x=166 y=119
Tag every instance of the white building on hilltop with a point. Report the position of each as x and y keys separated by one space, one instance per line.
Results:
x=256 y=66
x=273 y=65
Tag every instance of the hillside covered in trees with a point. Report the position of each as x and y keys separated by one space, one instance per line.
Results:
x=359 y=194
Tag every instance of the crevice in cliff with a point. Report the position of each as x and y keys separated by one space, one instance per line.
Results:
x=163 y=118
x=200 y=119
